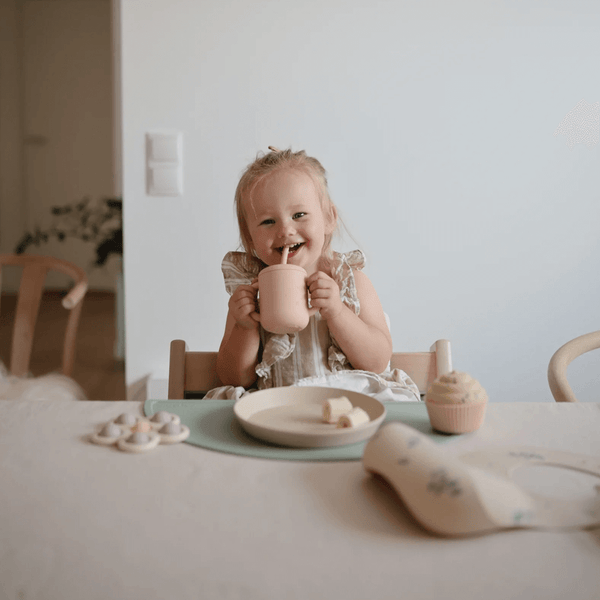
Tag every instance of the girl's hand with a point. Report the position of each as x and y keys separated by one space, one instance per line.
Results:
x=242 y=306
x=325 y=295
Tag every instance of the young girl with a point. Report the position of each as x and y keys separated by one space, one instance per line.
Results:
x=282 y=200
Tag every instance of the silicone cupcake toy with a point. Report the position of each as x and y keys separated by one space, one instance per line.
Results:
x=456 y=403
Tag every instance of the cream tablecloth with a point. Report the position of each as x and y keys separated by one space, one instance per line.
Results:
x=80 y=521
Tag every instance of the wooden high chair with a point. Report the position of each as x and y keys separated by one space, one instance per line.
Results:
x=33 y=278
x=192 y=374
x=567 y=353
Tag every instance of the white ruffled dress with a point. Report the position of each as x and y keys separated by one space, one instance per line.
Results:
x=312 y=357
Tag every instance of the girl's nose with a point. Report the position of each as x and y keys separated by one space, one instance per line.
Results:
x=286 y=229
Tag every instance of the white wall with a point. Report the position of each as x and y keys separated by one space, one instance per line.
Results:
x=436 y=123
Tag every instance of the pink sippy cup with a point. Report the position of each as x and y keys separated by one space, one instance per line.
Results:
x=283 y=298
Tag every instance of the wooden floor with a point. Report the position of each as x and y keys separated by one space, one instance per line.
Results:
x=97 y=372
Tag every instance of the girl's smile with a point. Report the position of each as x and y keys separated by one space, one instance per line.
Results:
x=285 y=210
x=292 y=249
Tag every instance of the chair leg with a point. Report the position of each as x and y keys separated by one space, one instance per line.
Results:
x=70 y=339
x=557 y=380
x=177 y=370
x=28 y=305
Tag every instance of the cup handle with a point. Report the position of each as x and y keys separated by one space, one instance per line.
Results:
x=256 y=314
x=312 y=310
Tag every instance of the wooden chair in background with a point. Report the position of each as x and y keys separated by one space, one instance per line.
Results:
x=192 y=374
x=566 y=354
x=34 y=271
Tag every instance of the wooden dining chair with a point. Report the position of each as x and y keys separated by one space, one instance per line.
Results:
x=566 y=354
x=33 y=276
x=192 y=374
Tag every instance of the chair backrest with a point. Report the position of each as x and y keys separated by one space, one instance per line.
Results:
x=34 y=270
x=567 y=353
x=191 y=374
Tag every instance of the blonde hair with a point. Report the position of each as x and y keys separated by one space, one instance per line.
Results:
x=278 y=160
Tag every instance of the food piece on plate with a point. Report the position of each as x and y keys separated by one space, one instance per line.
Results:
x=334 y=408
x=357 y=416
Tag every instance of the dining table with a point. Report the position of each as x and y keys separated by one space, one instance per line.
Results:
x=84 y=521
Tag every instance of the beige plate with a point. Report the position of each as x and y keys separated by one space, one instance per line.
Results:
x=293 y=416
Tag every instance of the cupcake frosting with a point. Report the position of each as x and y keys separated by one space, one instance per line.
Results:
x=456 y=388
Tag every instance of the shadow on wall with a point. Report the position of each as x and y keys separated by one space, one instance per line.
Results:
x=138 y=390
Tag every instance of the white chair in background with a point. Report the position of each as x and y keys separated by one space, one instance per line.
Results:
x=567 y=353
x=30 y=292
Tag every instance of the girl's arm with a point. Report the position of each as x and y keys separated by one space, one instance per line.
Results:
x=365 y=338
x=238 y=353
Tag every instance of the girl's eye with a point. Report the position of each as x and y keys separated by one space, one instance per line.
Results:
x=268 y=222
x=299 y=215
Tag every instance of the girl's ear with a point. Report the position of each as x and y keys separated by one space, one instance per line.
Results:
x=331 y=219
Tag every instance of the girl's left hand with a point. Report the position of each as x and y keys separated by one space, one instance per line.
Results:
x=325 y=295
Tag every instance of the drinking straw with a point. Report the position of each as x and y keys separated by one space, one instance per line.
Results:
x=284 y=255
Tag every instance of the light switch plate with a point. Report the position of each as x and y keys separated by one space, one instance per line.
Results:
x=164 y=147
x=164 y=164
x=164 y=181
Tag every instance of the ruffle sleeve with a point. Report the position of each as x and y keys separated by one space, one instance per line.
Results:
x=239 y=269
x=341 y=272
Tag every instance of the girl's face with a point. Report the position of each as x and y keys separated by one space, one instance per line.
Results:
x=285 y=210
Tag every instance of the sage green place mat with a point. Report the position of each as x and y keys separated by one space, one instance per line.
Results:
x=213 y=425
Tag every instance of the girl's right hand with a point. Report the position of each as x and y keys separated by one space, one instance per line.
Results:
x=242 y=306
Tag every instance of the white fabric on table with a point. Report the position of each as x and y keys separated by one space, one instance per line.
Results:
x=79 y=520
